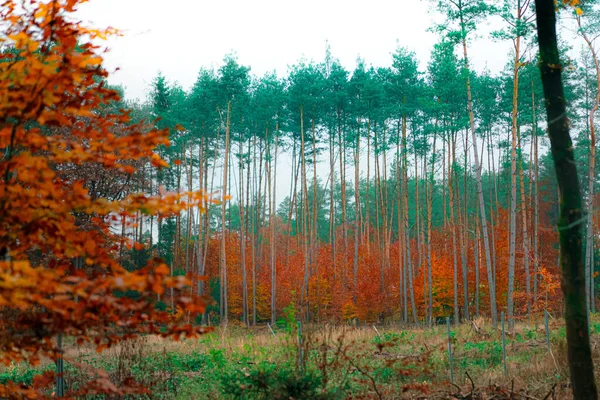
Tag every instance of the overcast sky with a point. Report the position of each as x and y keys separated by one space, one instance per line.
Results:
x=177 y=37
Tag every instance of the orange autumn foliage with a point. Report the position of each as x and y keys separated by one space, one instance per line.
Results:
x=330 y=285
x=59 y=268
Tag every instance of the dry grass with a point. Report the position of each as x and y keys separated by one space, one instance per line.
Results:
x=532 y=372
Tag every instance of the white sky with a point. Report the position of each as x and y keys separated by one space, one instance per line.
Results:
x=177 y=37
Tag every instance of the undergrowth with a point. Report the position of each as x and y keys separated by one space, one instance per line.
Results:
x=325 y=362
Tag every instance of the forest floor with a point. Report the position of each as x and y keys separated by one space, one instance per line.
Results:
x=338 y=362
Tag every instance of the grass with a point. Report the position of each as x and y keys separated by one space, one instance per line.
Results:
x=333 y=362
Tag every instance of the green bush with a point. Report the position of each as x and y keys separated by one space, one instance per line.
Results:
x=267 y=380
x=491 y=354
x=288 y=322
x=19 y=375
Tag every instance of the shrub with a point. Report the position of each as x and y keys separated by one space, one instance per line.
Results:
x=271 y=381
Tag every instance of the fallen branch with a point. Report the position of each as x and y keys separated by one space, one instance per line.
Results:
x=478 y=329
x=471 y=380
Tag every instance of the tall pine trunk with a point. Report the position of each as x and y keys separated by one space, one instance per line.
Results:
x=484 y=226
x=409 y=263
x=357 y=211
x=245 y=317
x=223 y=259
x=513 y=186
x=451 y=179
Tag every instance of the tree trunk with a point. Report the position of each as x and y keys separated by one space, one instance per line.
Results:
x=589 y=248
x=513 y=187
x=332 y=235
x=305 y=212
x=429 y=219
x=570 y=236
x=451 y=151
x=223 y=259
x=367 y=226
x=536 y=262
x=357 y=211
x=272 y=218
x=344 y=200
x=477 y=260
x=245 y=317
x=464 y=235
x=484 y=227
x=401 y=237
x=253 y=230
x=199 y=264
x=525 y=230
x=314 y=242
x=409 y=272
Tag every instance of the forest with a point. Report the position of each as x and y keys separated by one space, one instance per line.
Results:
x=411 y=192
x=412 y=230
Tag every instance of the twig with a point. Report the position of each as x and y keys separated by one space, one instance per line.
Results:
x=272 y=331
x=550 y=392
x=364 y=373
x=374 y=327
x=456 y=386
x=512 y=387
x=471 y=380
x=553 y=359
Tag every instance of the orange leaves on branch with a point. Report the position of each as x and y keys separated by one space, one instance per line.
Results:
x=157 y=161
x=65 y=163
x=574 y=4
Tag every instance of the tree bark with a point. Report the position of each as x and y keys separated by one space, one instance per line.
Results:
x=451 y=178
x=484 y=227
x=223 y=259
x=513 y=186
x=525 y=230
x=357 y=211
x=245 y=317
x=570 y=219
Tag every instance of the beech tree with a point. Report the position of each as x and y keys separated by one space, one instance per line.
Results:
x=60 y=265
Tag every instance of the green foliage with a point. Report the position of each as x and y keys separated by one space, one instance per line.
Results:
x=487 y=354
x=394 y=338
x=531 y=334
x=241 y=367
x=20 y=374
x=288 y=322
x=268 y=380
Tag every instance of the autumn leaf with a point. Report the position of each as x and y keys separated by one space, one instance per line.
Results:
x=73 y=180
